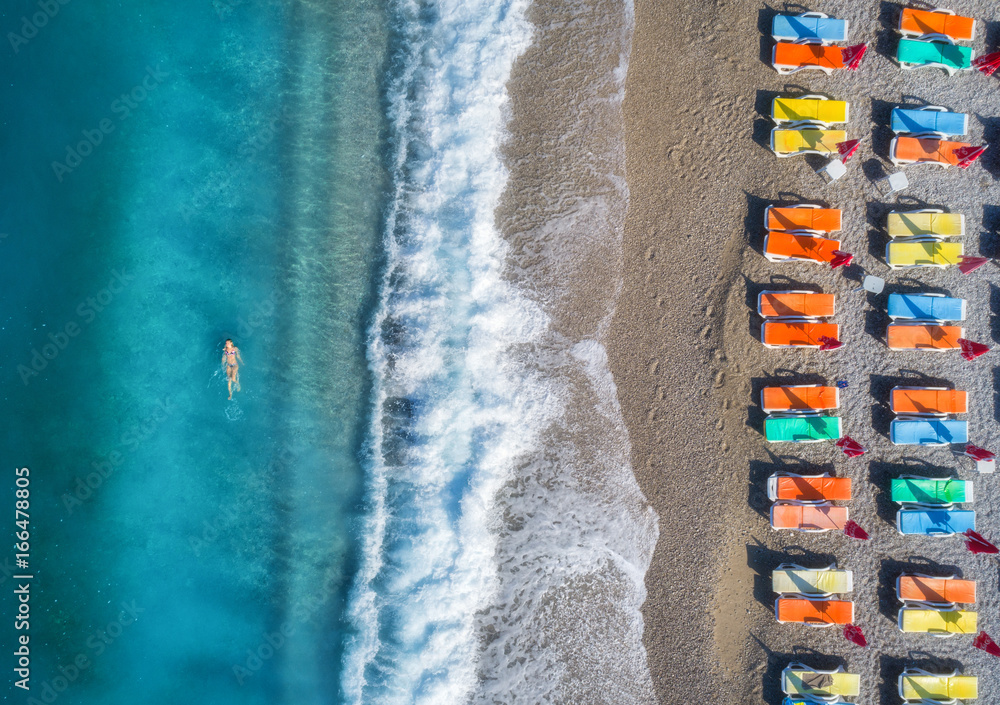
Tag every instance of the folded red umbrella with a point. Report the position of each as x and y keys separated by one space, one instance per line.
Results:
x=851 y=447
x=971 y=350
x=854 y=635
x=988 y=63
x=828 y=343
x=967 y=155
x=840 y=258
x=983 y=641
x=977 y=544
x=852 y=530
x=971 y=264
x=852 y=55
x=847 y=149
x=977 y=453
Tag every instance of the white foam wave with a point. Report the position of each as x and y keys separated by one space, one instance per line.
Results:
x=453 y=409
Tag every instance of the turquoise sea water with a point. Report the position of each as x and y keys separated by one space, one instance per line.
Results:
x=225 y=179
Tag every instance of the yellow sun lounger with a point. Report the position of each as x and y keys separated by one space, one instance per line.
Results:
x=937 y=622
x=793 y=579
x=926 y=222
x=923 y=252
x=809 y=109
x=799 y=679
x=792 y=142
x=921 y=685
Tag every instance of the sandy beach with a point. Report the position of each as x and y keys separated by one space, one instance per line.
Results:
x=689 y=367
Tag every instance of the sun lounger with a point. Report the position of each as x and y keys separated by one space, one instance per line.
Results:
x=799 y=398
x=927 y=149
x=924 y=686
x=800 y=679
x=793 y=142
x=926 y=222
x=808 y=25
x=934 y=522
x=937 y=622
x=923 y=336
x=793 y=579
x=796 y=334
x=796 y=304
x=808 y=488
x=928 y=432
x=920 y=54
x=802 y=217
x=925 y=307
x=801 y=429
x=801 y=247
x=928 y=401
x=809 y=109
x=790 y=58
x=919 y=23
x=808 y=518
x=928 y=492
x=923 y=252
x=814 y=612
x=916 y=587
x=930 y=118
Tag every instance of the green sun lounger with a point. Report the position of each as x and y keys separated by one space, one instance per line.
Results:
x=917 y=53
x=930 y=491
x=801 y=429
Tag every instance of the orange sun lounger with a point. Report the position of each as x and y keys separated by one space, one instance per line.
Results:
x=797 y=334
x=917 y=23
x=806 y=397
x=808 y=488
x=813 y=518
x=802 y=217
x=901 y=336
x=791 y=58
x=782 y=247
x=929 y=401
x=924 y=150
x=916 y=587
x=800 y=304
x=813 y=612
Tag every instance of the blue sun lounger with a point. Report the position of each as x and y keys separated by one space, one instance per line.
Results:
x=809 y=25
x=928 y=432
x=935 y=522
x=926 y=307
x=931 y=118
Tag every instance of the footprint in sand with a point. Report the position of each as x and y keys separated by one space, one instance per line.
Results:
x=720 y=379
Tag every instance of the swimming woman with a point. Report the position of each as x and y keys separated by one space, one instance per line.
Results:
x=230 y=359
